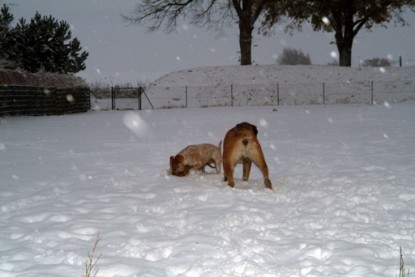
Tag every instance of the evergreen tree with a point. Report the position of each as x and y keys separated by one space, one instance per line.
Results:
x=6 y=18
x=44 y=44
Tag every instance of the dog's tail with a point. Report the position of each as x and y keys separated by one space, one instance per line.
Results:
x=220 y=146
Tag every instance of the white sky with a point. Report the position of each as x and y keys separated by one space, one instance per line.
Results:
x=120 y=53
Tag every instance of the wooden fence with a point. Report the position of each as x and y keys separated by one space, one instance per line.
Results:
x=25 y=100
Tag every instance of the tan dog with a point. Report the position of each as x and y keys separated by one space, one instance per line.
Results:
x=196 y=157
x=242 y=146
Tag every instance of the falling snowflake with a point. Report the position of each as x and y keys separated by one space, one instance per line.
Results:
x=136 y=124
x=325 y=20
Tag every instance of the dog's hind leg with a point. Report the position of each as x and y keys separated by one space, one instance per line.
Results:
x=228 y=170
x=259 y=161
x=246 y=169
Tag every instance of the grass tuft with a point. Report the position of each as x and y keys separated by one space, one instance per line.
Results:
x=90 y=265
x=402 y=271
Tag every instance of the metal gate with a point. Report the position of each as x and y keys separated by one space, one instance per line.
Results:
x=127 y=98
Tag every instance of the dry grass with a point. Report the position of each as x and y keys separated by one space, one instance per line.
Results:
x=90 y=266
x=402 y=270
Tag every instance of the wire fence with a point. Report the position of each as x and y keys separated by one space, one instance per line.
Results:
x=278 y=94
x=28 y=100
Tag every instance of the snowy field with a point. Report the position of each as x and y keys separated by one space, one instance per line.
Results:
x=343 y=203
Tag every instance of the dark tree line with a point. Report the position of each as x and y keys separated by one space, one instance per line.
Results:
x=345 y=18
x=43 y=44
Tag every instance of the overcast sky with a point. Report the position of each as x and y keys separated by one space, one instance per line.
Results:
x=122 y=53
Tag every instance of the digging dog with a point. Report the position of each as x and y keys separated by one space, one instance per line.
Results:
x=242 y=146
x=196 y=157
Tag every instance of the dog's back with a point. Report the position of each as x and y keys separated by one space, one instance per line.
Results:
x=238 y=141
x=241 y=146
x=196 y=157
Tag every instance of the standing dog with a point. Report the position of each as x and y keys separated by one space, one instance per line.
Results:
x=196 y=157
x=242 y=146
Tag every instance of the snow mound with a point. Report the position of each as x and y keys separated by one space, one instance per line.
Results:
x=265 y=74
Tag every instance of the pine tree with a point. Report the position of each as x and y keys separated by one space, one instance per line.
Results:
x=6 y=18
x=44 y=44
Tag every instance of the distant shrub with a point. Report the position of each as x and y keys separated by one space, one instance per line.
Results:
x=291 y=56
x=334 y=62
x=376 y=62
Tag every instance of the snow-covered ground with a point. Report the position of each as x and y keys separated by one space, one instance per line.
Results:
x=343 y=204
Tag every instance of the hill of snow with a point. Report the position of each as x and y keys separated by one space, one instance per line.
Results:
x=272 y=85
x=266 y=74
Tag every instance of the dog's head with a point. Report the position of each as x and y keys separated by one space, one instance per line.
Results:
x=247 y=126
x=177 y=166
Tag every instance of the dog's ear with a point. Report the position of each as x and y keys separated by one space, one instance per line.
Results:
x=254 y=129
x=248 y=125
x=179 y=158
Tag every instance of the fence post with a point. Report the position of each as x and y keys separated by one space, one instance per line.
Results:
x=185 y=92
x=371 y=93
x=232 y=95
x=140 y=92
x=54 y=92
x=278 y=94
x=112 y=99
x=324 y=94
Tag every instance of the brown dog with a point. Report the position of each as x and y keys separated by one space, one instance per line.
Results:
x=242 y=146
x=196 y=157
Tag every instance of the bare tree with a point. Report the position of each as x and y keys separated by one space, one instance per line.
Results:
x=343 y=17
x=211 y=13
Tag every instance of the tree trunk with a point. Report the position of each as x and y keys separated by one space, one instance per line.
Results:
x=245 y=39
x=345 y=53
x=247 y=17
x=344 y=34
